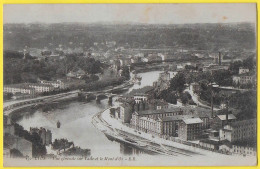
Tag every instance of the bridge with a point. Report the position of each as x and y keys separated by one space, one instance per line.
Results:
x=98 y=96
x=14 y=106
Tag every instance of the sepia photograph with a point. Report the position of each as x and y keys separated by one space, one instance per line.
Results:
x=130 y=84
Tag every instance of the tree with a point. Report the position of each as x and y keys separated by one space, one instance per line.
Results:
x=178 y=83
x=185 y=97
x=168 y=96
x=222 y=77
x=125 y=72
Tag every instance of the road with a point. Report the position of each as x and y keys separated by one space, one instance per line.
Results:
x=195 y=98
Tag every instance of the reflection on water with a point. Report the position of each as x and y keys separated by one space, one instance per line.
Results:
x=76 y=124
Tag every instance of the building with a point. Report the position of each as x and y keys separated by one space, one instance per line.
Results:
x=153 y=57
x=245 y=148
x=245 y=78
x=141 y=94
x=41 y=88
x=160 y=113
x=19 y=88
x=151 y=125
x=219 y=121
x=239 y=131
x=210 y=144
x=146 y=124
x=124 y=112
x=212 y=68
x=243 y=70
x=171 y=124
x=58 y=84
x=157 y=104
x=139 y=97
x=190 y=129
x=46 y=135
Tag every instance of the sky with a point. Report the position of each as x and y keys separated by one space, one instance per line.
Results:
x=136 y=13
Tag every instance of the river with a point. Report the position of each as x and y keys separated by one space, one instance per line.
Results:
x=76 y=123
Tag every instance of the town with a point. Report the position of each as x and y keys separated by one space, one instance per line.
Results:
x=204 y=96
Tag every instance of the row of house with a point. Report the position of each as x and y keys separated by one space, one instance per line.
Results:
x=28 y=88
x=43 y=86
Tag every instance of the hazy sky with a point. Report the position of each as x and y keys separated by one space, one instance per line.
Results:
x=142 y=13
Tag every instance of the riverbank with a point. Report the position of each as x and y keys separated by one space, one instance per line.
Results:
x=114 y=128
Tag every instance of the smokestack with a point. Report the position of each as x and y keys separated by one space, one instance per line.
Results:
x=227 y=114
x=219 y=58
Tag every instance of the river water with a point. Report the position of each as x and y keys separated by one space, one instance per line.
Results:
x=76 y=123
x=76 y=126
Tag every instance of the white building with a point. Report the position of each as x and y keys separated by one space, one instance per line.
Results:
x=19 y=88
x=140 y=97
x=40 y=88
x=56 y=84
x=243 y=70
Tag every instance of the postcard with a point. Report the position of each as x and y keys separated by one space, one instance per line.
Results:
x=130 y=84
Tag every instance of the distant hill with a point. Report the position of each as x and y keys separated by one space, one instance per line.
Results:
x=199 y=36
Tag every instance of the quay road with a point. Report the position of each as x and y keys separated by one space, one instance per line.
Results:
x=135 y=140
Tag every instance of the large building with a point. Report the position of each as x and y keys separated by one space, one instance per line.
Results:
x=239 y=131
x=160 y=113
x=28 y=88
x=219 y=121
x=169 y=124
x=150 y=125
x=58 y=84
x=124 y=112
x=19 y=88
x=41 y=88
x=190 y=129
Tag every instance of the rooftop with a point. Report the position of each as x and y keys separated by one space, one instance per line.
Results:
x=169 y=110
x=192 y=121
x=176 y=117
x=223 y=117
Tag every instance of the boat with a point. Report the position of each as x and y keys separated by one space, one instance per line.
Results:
x=58 y=124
